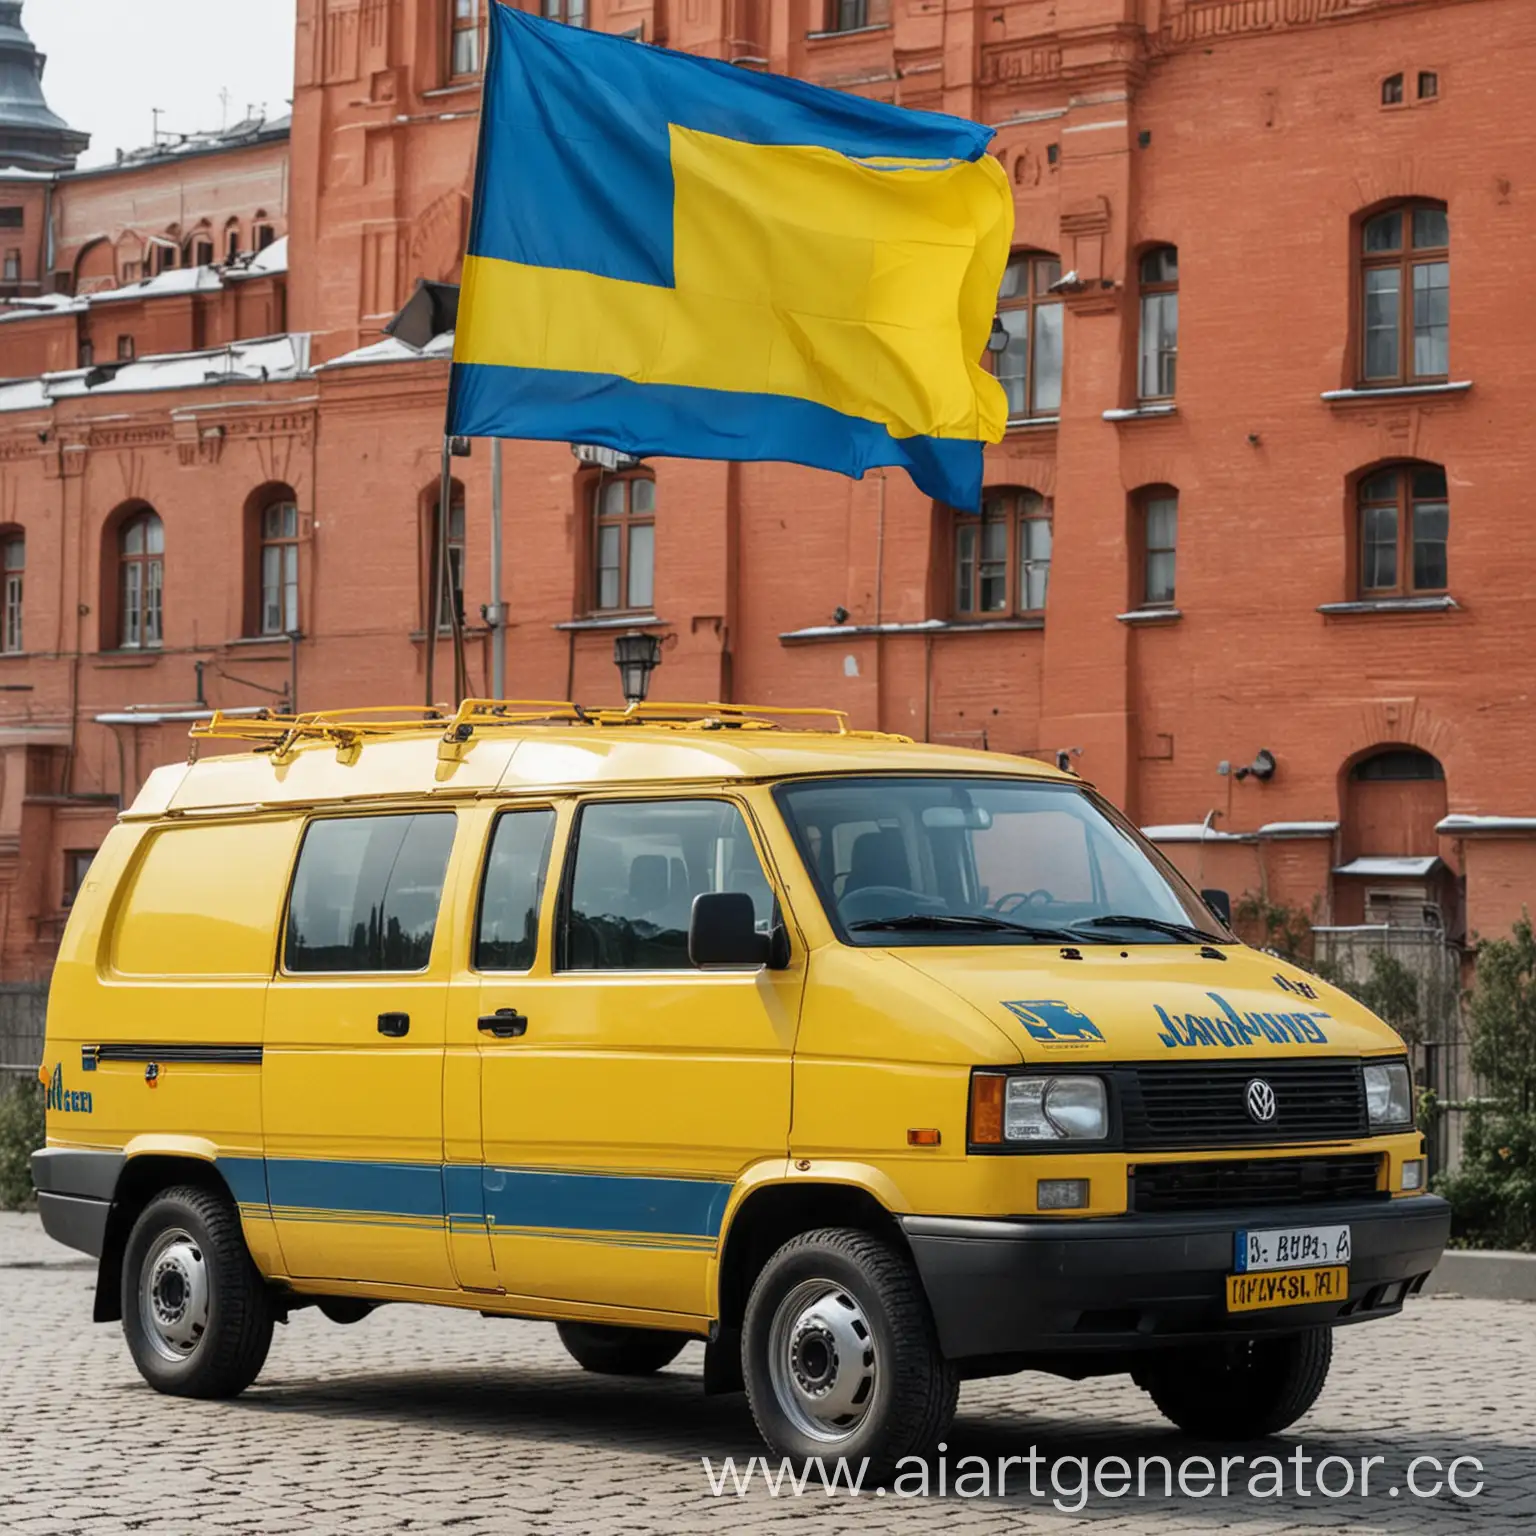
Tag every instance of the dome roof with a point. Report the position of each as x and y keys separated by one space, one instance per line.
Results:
x=31 y=135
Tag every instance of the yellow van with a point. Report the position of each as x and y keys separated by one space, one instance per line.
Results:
x=877 y=1066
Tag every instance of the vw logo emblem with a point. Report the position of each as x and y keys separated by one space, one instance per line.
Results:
x=1261 y=1101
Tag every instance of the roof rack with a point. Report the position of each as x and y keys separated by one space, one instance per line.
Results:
x=349 y=729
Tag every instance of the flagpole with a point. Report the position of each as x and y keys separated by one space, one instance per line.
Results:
x=438 y=565
x=445 y=494
x=496 y=612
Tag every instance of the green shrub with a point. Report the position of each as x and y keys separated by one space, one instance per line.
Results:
x=1493 y=1192
x=1502 y=1006
x=22 y=1132
x=1272 y=925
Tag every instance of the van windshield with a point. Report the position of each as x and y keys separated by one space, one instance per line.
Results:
x=986 y=861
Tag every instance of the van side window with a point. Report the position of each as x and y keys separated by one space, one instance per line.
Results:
x=638 y=867
x=366 y=893
x=508 y=934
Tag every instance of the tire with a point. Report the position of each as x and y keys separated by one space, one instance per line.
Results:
x=613 y=1351
x=840 y=1354
x=196 y=1313
x=1244 y=1390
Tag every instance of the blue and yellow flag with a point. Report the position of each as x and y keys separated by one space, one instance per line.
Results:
x=670 y=255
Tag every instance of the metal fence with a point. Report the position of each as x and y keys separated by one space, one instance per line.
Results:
x=1441 y=1059
x=23 y=1008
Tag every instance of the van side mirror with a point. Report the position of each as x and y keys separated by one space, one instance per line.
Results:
x=1220 y=903
x=722 y=932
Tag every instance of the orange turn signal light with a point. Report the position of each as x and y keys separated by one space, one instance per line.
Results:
x=987 y=1108
x=925 y=1137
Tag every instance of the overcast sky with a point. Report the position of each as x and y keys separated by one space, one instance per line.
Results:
x=111 y=61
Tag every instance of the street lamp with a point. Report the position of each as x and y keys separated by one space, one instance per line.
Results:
x=636 y=655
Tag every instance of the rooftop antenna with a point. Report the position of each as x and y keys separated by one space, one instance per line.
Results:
x=157 y=113
x=224 y=104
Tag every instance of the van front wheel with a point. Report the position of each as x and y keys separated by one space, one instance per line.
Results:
x=196 y=1312
x=613 y=1351
x=1242 y=1390
x=840 y=1355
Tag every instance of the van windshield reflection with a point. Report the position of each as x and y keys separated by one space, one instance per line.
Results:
x=986 y=861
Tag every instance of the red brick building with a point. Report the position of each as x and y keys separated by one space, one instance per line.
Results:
x=1252 y=558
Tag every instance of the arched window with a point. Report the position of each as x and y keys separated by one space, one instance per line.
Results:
x=141 y=581
x=1029 y=368
x=13 y=557
x=1157 y=524
x=1397 y=765
x=624 y=543
x=453 y=573
x=272 y=586
x=463 y=38
x=1405 y=283
x=200 y=247
x=1002 y=560
x=1404 y=525
x=1159 y=354
x=232 y=241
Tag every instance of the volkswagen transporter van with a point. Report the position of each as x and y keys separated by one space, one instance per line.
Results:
x=875 y=1066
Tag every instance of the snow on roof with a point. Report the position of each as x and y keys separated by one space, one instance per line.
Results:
x=1298 y=829
x=173 y=281
x=1454 y=825
x=274 y=359
x=44 y=304
x=273 y=259
x=23 y=395
x=171 y=146
x=1390 y=868
x=1191 y=832
x=391 y=351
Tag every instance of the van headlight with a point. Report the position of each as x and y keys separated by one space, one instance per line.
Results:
x=1055 y=1109
x=1388 y=1094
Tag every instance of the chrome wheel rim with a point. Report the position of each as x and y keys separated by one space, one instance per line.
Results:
x=822 y=1361
x=173 y=1295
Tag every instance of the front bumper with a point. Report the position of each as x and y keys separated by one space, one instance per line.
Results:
x=1052 y=1287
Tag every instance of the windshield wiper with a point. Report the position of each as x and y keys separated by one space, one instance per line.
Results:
x=918 y=922
x=1185 y=931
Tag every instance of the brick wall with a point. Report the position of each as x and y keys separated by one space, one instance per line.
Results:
x=1251 y=136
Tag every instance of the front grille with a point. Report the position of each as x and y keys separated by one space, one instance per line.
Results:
x=1205 y=1104
x=1224 y=1185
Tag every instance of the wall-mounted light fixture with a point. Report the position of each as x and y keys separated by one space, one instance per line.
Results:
x=636 y=655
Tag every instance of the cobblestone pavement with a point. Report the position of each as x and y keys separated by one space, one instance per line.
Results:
x=439 y=1421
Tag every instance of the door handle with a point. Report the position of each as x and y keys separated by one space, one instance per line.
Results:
x=394 y=1024
x=505 y=1023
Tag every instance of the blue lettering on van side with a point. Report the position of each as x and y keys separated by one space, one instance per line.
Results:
x=1231 y=1029
x=64 y=1100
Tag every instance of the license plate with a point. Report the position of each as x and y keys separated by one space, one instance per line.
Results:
x=1286 y=1288
x=1289 y=1248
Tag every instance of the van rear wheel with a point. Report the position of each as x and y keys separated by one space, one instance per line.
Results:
x=613 y=1351
x=1243 y=1390
x=196 y=1313
x=840 y=1355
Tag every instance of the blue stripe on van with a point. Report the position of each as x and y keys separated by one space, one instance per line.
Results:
x=601 y=1202
x=330 y=1184
x=463 y=1192
x=551 y=1200
x=247 y=1179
